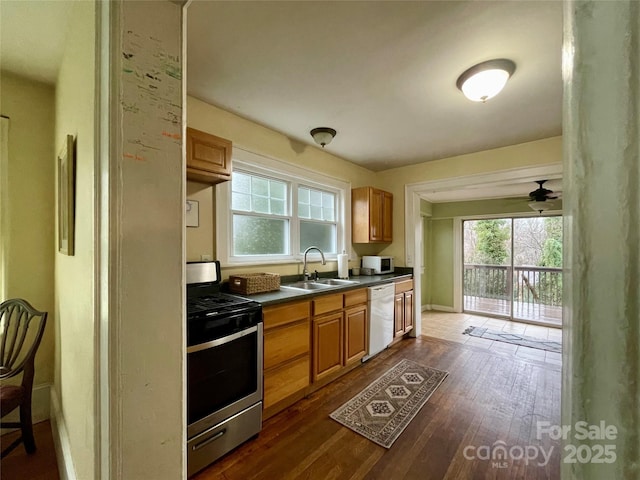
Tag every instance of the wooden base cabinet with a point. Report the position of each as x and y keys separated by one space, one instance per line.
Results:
x=327 y=345
x=287 y=355
x=403 y=307
x=340 y=332
x=398 y=315
x=408 y=311
x=355 y=334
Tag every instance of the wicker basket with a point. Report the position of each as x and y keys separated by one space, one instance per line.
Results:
x=250 y=283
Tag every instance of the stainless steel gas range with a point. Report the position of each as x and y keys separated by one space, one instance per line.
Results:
x=224 y=367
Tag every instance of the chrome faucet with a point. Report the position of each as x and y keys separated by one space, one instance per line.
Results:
x=305 y=272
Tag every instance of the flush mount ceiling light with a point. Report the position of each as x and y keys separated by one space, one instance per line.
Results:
x=485 y=80
x=323 y=135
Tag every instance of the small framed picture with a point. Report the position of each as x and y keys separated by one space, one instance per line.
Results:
x=192 y=216
x=66 y=197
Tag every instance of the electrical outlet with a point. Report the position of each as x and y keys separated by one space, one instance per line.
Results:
x=205 y=258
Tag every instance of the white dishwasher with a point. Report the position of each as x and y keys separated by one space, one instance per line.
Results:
x=380 y=318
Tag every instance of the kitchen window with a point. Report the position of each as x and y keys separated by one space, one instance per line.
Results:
x=271 y=212
x=260 y=215
x=316 y=214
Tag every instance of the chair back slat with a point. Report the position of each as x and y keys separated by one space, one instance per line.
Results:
x=14 y=314
x=5 y=316
x=7 y=330
x=21 y=328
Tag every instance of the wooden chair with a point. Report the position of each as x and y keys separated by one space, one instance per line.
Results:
x=21 y=329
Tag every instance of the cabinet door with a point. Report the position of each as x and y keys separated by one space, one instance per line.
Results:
x=327 y=345
x=387 y=217
x=355 y=334
x=208 y=157
x=408 y=311
x=376 y=198
x=398 y=307
x=371 y=215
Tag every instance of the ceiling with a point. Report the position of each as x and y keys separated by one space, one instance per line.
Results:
x=32 y=37
x=509 y=188
x=382 y=73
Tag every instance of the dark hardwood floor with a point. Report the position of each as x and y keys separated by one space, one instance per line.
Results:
x=40 y=465
x=488 y=397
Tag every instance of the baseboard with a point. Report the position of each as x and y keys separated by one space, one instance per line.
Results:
x=426 y=307
x=442 y=308
x=66 y=469
x=40 y=407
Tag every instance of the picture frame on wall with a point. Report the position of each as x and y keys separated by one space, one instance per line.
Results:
x=66 y=197
x=192 y=215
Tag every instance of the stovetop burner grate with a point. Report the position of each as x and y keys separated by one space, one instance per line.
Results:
x=218 y=302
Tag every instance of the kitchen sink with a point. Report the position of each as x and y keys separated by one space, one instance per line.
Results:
x=321 y=284
x=307 y=285
x=336 y=282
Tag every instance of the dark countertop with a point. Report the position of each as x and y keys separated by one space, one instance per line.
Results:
x=288 y=295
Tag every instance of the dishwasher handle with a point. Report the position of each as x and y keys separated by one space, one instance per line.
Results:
x=380 y=291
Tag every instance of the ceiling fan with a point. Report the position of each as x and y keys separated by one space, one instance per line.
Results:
x=540 y=196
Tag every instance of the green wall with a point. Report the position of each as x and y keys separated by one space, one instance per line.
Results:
x=441 y=271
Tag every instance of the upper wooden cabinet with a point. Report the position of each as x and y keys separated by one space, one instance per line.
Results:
x=371 y=215
x=208 y=157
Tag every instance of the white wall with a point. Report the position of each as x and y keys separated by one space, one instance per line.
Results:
x=74 y=275
x=144 y=361
x=601 y=297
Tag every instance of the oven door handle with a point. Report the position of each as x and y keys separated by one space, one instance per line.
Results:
x=221 y=341
x=209 y=440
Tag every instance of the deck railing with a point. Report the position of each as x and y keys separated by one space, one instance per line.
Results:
x=540 y=285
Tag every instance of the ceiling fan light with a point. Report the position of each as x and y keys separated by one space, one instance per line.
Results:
x=540 y=206
x=323 y=135
x=485 y=80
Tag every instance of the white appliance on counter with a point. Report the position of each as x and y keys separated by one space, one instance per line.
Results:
x=380 y=303
x=378 y=264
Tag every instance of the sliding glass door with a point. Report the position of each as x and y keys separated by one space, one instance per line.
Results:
x=487 y=266
x=513 y=268
x=537 y=269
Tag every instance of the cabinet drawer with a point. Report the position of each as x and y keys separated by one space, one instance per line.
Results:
x=327 y=303
x=285 y=343
x=355 y=297
x=404 y=286
x=283 y=314
x=286 y=380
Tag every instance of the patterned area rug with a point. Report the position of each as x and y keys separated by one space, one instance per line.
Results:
x=514 y=338
x=383 y=410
